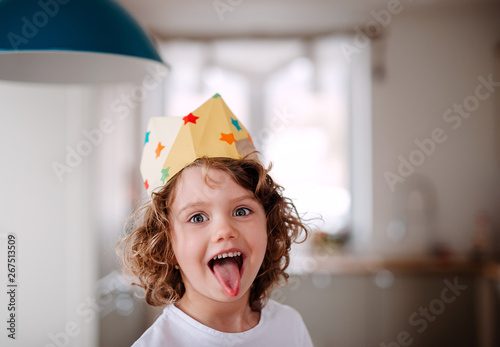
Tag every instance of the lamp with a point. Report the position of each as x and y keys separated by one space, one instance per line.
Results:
x=73 y=41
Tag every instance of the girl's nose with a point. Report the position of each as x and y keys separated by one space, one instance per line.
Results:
x=224 y=231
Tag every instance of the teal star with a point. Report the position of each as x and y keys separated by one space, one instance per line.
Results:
x=235 y=123
x=164 y=174
x=147 y=137
x=216 y=95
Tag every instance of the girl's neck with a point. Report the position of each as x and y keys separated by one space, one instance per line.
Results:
x=228 y=317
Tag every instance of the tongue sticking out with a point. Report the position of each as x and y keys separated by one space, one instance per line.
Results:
x=227 y=273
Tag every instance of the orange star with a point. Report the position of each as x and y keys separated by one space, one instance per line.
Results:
x=190 y=118
x=229 y=138
x=250 y=138
x=159 y=149
x=146 y=184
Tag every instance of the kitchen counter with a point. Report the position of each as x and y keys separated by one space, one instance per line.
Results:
x=366 y=265
x=369 y=300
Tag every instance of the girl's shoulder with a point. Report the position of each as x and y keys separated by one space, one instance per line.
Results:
x=154 y=335
x=281 y=322
x=274 y=310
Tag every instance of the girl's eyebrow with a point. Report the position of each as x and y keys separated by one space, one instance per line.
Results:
x=196 y=204
x=244 y=197
x=191 y=205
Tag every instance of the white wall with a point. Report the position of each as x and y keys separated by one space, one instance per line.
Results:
x=55 y=262
x=433 y=59
x=67 y=226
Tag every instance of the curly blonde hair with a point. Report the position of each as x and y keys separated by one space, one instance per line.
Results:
x=148 y=253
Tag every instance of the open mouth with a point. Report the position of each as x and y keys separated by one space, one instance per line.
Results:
x=227 y=269
x=227 y=257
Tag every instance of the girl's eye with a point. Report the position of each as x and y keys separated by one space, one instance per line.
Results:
x=198 y=218
x=242 y=211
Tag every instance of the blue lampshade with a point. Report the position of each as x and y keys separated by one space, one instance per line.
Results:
x=72 y=41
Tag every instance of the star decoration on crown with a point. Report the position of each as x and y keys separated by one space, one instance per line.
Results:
x=229 y=138
x=159 y=149
x=190 y=118
x=164 y=174
x=236 y=124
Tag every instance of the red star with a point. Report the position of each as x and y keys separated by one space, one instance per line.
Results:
x=229 y=138
x=146 y=184
x=159 y=149
x=190 y=118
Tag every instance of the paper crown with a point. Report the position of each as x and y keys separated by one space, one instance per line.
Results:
x=171 y=143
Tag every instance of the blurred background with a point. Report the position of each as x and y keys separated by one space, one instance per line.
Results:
x=381 y=117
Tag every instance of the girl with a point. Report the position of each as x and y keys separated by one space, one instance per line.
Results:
x=213 y=242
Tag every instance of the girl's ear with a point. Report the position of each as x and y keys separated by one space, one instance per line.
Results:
x=174 y=261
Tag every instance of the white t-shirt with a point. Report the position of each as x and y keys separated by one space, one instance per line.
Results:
x=279 y=325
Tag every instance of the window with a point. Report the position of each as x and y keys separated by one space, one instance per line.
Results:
x=293 y=97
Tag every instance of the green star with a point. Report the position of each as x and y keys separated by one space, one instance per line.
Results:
x=164 y=174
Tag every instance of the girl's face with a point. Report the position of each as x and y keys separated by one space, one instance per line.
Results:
x=224 y=220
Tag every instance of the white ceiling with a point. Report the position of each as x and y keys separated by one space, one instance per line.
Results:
x=200 y=19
